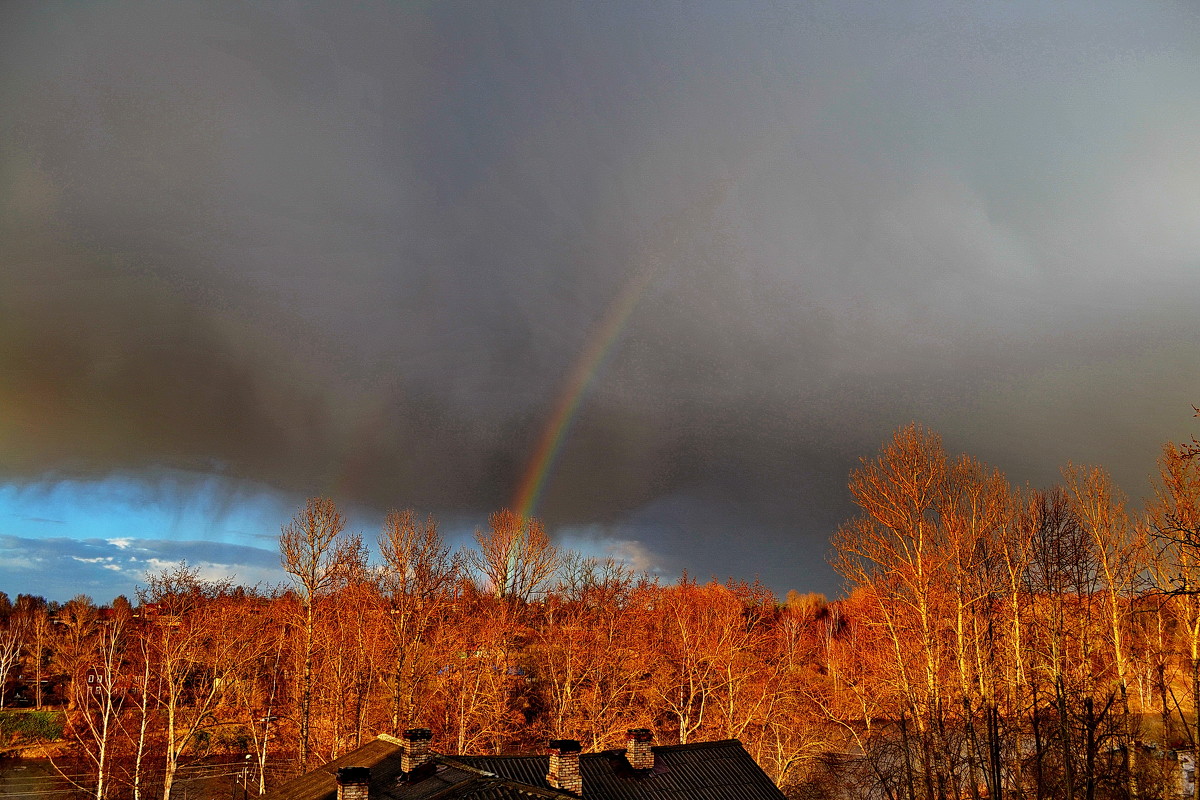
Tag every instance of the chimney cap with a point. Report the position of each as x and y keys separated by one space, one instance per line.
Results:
x=565 y=745
x=640 y=734
x=353 y=776
x=417 y=734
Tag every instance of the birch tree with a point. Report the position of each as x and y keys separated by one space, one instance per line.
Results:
x=197 y=640
x=100 y=698
x=898 y=547
x=12 y=642
x=316 y=554
x=417 y=581
x=34 y=618
x=1174 y=516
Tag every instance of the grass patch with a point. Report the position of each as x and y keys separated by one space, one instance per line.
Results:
x=19 y=728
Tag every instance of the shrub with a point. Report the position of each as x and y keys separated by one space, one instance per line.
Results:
x=30 y=727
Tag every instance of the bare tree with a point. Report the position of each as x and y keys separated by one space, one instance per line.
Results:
x=35 y=619
x=899 y=549
x=72 y=641
x=1174 y=517
x=143 y=711
x=417 y=579
x=314 y=552
x=195 y=644
x=515 y=557
x=926 y=546
x=100 y=699
x=1120 y=557
x=12 y=642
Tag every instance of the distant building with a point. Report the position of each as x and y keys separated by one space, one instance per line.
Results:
x=407 y=769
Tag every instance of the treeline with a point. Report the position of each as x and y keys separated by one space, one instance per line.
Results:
x=496 y=648
x=994 y=641
x=1015 y=642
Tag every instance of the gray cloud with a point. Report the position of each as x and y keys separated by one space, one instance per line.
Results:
x=361 y=252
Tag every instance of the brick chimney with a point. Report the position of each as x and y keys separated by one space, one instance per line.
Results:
x=416 y=748
x=637 y=748
x=564 y=766
x=353 y=783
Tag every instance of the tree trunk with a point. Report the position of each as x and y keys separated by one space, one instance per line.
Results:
x=306 y=687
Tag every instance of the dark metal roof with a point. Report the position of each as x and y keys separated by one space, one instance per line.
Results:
x=435 y=783
x=720 y=770
x=381 y=756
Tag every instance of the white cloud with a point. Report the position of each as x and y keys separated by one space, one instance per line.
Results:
x=600 y=542
x=633 y=554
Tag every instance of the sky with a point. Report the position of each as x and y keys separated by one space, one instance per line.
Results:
x=658 y=272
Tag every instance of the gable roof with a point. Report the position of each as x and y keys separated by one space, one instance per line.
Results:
x=381 y=756
x=705 y=770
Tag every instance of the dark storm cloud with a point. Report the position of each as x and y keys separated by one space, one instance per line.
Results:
x=360 y=251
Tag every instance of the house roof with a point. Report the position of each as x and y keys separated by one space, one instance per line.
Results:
x=381 y=756
x=707 y=770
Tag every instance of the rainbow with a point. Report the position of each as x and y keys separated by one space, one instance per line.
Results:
x=599 y=347
x=590 y=362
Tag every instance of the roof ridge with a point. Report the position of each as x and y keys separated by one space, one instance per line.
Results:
x=690 y=745
x=454 y=762
x=486 y=780
x=451 y=788
x=698 y=745
x=528 y=788
x=506 y=755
